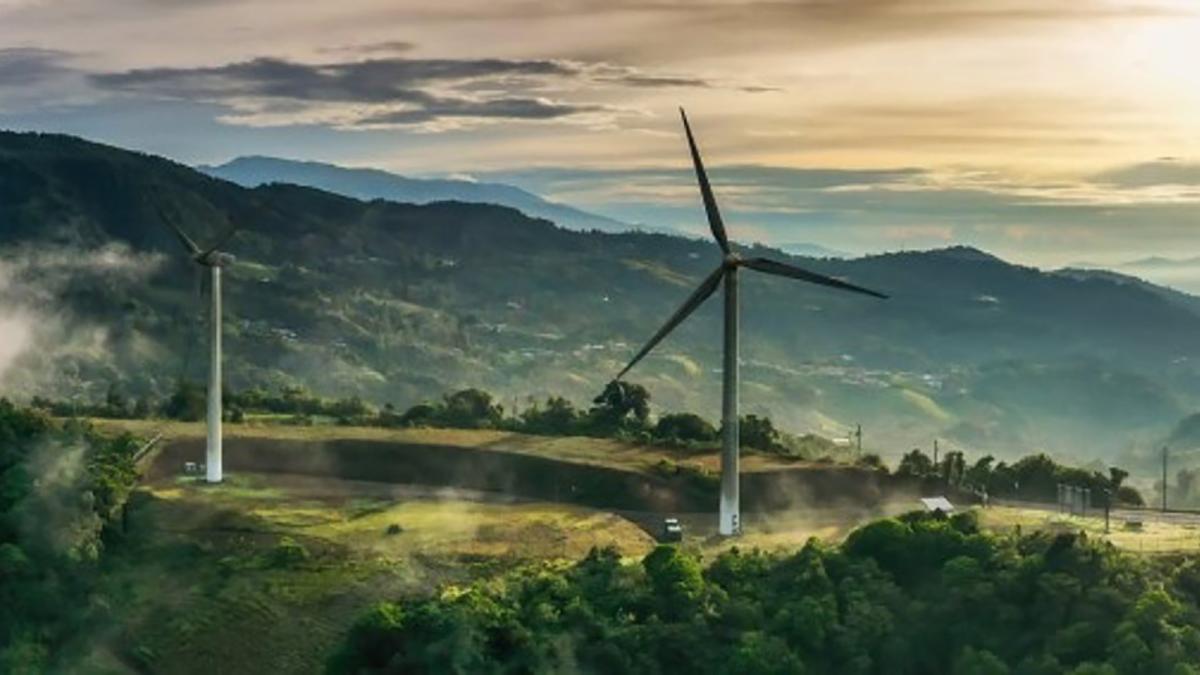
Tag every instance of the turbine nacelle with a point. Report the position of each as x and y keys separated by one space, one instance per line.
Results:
x=215 y=259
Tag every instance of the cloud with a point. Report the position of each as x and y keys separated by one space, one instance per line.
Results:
x=871 y=210
x=369 y=81
x=659 y=28
x=433 y=109
x=25 y=66
x=384 y=47
x=1166 y=171
x=392 y=91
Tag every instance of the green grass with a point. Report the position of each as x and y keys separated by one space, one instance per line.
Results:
x=1154 y=537
x=199 y=584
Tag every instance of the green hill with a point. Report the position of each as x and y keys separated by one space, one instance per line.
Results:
x=399 y=302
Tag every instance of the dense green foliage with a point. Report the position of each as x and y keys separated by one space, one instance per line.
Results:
x=1033 y=478
x=919 y=594
x=61 y=487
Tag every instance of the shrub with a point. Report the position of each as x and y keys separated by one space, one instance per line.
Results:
x=288 y=552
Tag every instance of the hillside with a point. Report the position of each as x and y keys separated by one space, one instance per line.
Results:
x=400 y=302
x=368 y=184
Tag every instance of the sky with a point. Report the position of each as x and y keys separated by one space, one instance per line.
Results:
x=1048 y=133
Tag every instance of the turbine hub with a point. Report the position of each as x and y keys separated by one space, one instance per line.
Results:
x=732 y=260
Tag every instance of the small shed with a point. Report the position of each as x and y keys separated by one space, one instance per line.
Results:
x=942 y=504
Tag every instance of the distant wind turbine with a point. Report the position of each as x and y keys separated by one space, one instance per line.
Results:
x=214 y=260
x=728 y=272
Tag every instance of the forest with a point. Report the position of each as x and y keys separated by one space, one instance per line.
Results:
x=917 y=594
x=63 y=490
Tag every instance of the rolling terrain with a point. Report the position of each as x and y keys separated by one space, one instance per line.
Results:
x=293 y=552
x=400 y=303
x=369 y=184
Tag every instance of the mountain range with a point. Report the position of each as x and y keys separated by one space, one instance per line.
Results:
x=368 y=184
x=402 y=302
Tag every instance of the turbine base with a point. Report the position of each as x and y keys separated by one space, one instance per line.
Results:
x=730 y=524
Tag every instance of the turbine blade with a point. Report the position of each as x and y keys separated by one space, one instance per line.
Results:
x=710 y=202
x=187 y=242
x=222 y=239
x=697 y=298
x=785 y=270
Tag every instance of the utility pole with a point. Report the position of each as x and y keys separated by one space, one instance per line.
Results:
x=1108 y=497
x=1164 y=494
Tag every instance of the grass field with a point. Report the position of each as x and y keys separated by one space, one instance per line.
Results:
x=266 y=573
x=1153 y=537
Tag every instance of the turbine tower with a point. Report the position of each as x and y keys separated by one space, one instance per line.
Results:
x=213 y=259
x=727 y=272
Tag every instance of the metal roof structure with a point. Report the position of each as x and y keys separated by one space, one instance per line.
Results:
x=937 y=504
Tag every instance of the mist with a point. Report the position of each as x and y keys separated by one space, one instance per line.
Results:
x=45 y=346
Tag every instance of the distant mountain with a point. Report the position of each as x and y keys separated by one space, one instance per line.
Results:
x=1180 y=298
x=368 y=184
x=1162 y=262
x=401 y=302
x=810 y=250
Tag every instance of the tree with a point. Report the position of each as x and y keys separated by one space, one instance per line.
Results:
x=420 y=415
x=141 y=408
x=759 y=433
x=115 y=404
x=621 y=405
x=979 y=662
x=349 y=409
x=470 y=409
x=676 y=580
x=186 y=403
x=953 y=468
x=558 y=418
x=1116 y=477
x=872 y=461
x=1129 y=495
x=915 y=463
x=685 y=427
x=980 y=473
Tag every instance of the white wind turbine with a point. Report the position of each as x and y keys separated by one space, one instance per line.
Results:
x=213 y=259
x=729 y=523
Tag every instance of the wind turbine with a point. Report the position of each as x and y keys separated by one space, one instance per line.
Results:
x=214 y=259
x=727 y=272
